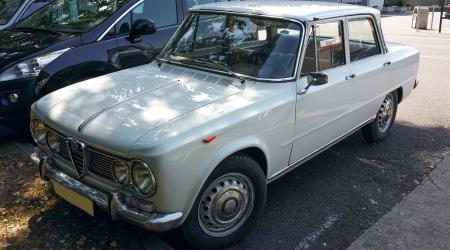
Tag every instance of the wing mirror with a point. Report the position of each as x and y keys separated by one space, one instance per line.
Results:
x=141 y=27
x=314 y=79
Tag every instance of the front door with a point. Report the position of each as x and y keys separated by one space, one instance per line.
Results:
x=134 y=53
x=323 y=113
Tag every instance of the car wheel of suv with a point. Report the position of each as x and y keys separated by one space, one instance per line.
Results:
x=379 y=128
x=228 y=204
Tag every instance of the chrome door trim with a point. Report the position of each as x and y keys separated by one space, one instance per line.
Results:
x=316 y=152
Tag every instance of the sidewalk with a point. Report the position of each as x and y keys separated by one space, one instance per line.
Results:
x=420 y=221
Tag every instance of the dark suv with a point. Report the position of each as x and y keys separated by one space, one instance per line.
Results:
x=68 y=41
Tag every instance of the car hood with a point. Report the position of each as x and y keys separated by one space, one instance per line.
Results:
x=15 y=45
x=115 y=110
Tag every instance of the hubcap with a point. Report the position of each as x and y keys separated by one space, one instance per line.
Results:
x=385 y=114
x=226 y=205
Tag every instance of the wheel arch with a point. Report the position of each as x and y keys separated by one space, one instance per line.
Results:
x=251 y=146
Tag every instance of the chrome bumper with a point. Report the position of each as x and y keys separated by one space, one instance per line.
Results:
x=117 y=205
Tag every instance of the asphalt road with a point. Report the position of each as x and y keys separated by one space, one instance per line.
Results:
x=332 y=199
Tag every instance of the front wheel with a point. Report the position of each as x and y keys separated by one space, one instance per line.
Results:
x=379 y=128
x=228 y=204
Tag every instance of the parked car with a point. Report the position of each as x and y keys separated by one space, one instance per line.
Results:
x=242 y=94
x=68 y=41
x=12 y=11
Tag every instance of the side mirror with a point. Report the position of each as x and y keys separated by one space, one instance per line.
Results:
x=141 y=27
x=314 y=79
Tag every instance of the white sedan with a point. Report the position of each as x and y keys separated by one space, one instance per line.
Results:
x=243 y=93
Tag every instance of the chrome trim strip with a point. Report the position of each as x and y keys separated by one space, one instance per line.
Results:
x=316 y=152
x=118 y=19
x=299 y=53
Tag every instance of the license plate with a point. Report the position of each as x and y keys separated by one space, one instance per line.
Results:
x=74 y=198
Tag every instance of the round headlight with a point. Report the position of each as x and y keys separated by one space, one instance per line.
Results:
x=38 y=130
x=120 y=171
x=52 y=141
x=143 y=178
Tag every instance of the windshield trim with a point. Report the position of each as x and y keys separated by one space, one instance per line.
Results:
x=299 y=53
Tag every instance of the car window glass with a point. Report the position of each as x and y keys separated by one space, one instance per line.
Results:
x=162 y=13
x=362 y=39
x=325 y=48
x=8 y=8
x=71 y=16
x=192 y=3
x=253 y=46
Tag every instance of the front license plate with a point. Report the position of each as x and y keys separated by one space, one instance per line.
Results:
x=74 y=198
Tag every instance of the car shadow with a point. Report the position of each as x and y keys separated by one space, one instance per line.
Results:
x=326 y=203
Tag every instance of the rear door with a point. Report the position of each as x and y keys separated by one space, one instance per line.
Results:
x=165 y=14
x=323 y=113
x=369 y=66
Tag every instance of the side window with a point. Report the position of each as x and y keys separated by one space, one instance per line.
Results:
x=325 y=48
x=192 y=3
x=163 y=13
x=362 y=39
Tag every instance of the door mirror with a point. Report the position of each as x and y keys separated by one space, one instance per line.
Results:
x=313 y=79
x=141 y=27
x=316 y=79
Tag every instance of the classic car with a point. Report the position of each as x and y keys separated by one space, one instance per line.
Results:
x=12 y=11
x=243 y=93
x=69 y=41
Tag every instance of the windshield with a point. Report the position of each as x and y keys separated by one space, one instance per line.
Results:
x=71 y=16
x=8 y=9
x=252 y=46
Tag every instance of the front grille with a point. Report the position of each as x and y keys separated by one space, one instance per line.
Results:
x=64 y=149
x=98 y=162
x=77 y=155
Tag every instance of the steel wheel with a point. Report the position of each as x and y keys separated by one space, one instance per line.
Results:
x=226 y=205
x=386 y=113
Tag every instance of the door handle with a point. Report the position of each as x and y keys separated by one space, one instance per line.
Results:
x=350 y=76
x=387 y=63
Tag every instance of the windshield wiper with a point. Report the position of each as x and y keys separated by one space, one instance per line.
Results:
x=38 y=29
x=224 y=67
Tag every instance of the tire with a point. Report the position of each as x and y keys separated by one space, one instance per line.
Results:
x=229 y=178
x=380 y=127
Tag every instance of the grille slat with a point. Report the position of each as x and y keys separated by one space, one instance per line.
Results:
x=97 y=162
x=100 y=164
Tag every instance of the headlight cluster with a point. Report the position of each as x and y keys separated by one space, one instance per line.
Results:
x=44 y=136
x=139 y=173
x=134 y=172
x=31 y=67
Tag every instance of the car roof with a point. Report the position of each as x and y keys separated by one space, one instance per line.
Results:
x=299 y=10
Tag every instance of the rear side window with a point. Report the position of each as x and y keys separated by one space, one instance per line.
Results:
x=325 y=49
x=363 y=41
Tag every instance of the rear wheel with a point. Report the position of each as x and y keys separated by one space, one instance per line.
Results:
x=228 y=204
x=379 y=128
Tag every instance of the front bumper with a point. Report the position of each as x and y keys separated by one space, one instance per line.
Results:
x=117 y=205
